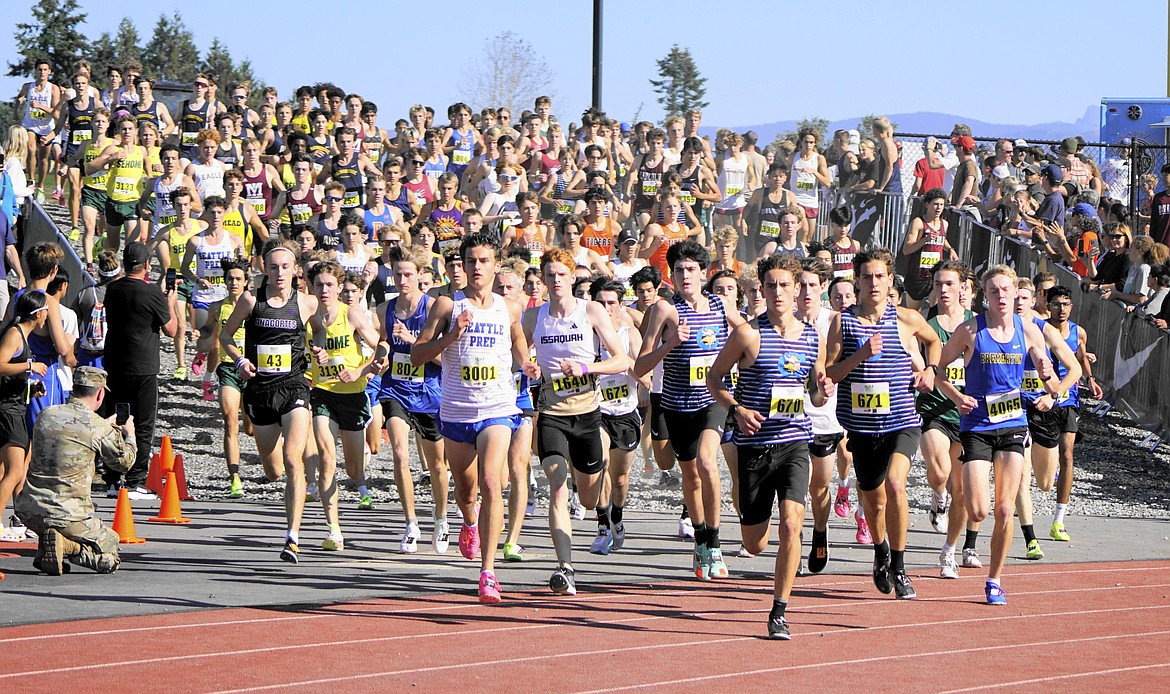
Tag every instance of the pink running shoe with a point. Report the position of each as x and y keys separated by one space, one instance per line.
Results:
x=469 y=541
x=489 y=588
x=198 y=363
x=841 y=505
x=863 y=536
x=208 y=391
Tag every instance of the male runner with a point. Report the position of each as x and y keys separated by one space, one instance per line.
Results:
x=276 y=396
x=564 y=331
x=993 y=425
x=521 y=482
x=781 y=360
x=685 y=335
x=479 y=337
x=868 y=353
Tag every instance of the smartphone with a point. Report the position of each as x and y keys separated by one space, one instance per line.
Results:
x=122 y=413
x=171 y=279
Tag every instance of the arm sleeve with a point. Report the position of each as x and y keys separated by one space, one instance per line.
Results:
x=114 y=449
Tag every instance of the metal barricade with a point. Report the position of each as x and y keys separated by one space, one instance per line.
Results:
x=40 y=228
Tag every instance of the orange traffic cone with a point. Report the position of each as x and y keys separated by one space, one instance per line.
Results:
x=154 y=476
x=170 y=512
x=124 y=520
x=181 y=477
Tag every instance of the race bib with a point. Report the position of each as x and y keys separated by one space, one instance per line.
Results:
x=402 y=370
x=37 y=114
x=787 y=402
x=1004 y=407
x=564 y=207
x=352 y=198
x=331 y=370
x=928 y=259
x=565 y=386
x=649 y=188
x=79 y=136
x=187 y=139
x=769 y=228
x=460 y=157
x=478 y=373
x=125 y=184
x=699 y=368
x=688 y=198
x=261 y=206
x=870 y=398
x=273 y=359
x=957 y=373
x=733 y=191
x=847 y=274
x=1032 y=382
x=613 y=390
x=300 y=213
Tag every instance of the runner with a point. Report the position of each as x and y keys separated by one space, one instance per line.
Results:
x=564 y=332
x=410 y=397
x=479 y=337
x=205 y=169
x=196 y=115
x=868 y=353
x=40 y=99
x=170 y=246
x=126 y=161
x=354 y=294
x=659 y=238
x=685 y=335
x=93 y=184
x=763 y=210
x=340 y=407
x=781 y=361
x=202 y=264
x=642 y=185
x=76 y=116
x=926 y=245
x=276 y=395
x=521 y=480
x=826 y=430
x=994 y=424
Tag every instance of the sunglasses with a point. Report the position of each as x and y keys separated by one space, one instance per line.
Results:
x=391 y=242
x=416 y=162
x=332 y=198
x=1117 y=236
x=239 y=96
x=507 y=178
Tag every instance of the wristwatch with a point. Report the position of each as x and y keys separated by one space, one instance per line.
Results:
x=733 y=409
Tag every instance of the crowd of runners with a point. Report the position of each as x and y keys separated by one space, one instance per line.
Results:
x=485 y=289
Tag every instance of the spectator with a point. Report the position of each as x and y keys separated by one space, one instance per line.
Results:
x=929 y=172
x=889 y=157
x=1136 y=287
x=136 y=311
x=1078 y=171
x=1159 y=286
x=1160 y=209
x=965 y=190
x=57 y=289
x=1051 y=210
x=10 y=258
x=91 y=312
x=1081 y=246
x=1112 y=267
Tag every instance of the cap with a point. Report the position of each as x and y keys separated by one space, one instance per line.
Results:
x=965 y=142
x=1021 y=143
x=1001 y=171
x=1063 y=162
x=1053 y=173
x=89 y=377
x=1032 y=168
x=627 y=236
x=1013 y=188
x=751 y=137
x=1069 y=145
x=625 y=127
x=136 y=254
x=1085 y=209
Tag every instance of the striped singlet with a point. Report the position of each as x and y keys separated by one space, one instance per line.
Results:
x=876 y=397
x=684 y=385
x=774 y=386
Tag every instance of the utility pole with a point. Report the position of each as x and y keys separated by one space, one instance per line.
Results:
x=597 y=55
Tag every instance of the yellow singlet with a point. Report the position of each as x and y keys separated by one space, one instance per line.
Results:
x=344 y=353
x=124 y=183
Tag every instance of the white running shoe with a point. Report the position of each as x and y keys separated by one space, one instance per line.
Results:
x=619 y=536
x=441 y=538
x=575 y=508
x=686 y=530
x=947 y=568
x=603 y=543
x=971 y=559
x=409 y=543
x=334 y=542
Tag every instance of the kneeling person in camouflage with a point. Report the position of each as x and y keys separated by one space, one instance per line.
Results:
x=67 y=442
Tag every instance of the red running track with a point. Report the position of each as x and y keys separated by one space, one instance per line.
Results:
x=1071 y=625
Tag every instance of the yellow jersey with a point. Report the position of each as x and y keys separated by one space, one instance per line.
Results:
x=125 y=180
x=225 y=311
x=93 y=149
x=236 y=223
x=177 y=238
x=344 y=353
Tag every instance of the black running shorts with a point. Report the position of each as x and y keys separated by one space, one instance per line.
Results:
x=872 y=453
x=771 y=473
x=576 y=438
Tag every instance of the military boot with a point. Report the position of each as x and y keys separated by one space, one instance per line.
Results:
x=51 y=553
x=101 y=563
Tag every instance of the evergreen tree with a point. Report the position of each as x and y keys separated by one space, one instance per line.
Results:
x=218 y=63
x=53 y=35
x=680 y=86
x=103 y=55
x=171 y=53
x=126 y=43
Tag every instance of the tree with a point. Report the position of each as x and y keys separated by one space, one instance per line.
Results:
x=171 y=53
x=511 y=75
x=865 y=127
x=103 y=55
x=126 y=42
x=218 y=63
x=53 y=35
x=818 y=125
x=680 y=86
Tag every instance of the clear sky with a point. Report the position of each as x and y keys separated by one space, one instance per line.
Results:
x=764 y=60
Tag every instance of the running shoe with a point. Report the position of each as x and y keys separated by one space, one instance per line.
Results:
x=667 y=480
x=39 y=195
x=715 y=566
x=311 y=493
x=995 y=594
x=141 y=494
x=57 y=196
x=208 y=391
x=334 y=542
x=180 y=374
x=74 y=234
x=236 y=491
x=575 y=508
x=563 y=581
x=291 y=553
x=778 y=627
x=198 y=363
x=409 y=543
x=938 y=511
x=947 y=567
x=743 y=553
x=603 y=542
x=424 y=481
x=619 y=536
x=530 y=509
x=440 y=537
x=903 y=589
x=971 y=559
x=1034 y=551
x=686 y=530
x=513 y=552
x=469 y=541
x=818 y=555
x=112 y=491
x=863 y=536
x=366 y=503
x=489 y=588
x=701 y=562
x=1058 y=533
x=881 y=573
x=841 y=505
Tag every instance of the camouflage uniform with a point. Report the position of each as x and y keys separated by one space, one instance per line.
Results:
x=67 y=440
